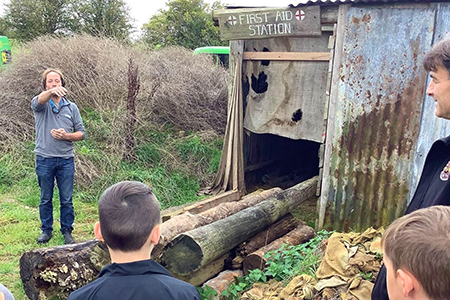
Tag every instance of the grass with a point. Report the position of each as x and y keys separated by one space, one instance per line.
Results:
x=174 y=166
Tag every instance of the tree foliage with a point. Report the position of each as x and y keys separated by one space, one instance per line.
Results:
x=186 y=23
x=28 y=19
x=108 y=18
x=32 y=18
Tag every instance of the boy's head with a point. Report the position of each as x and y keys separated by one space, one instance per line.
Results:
x=416 y=251
x=129 y=216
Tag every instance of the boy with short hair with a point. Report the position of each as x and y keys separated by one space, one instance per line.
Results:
x=129 y=216
x=416 y=250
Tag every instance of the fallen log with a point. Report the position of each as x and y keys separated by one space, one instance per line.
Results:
x=205 y=273
x=192 y=250
x=274 y=231
x=57 y=271
x=201 y=205
x=257 y=259
x=188 y=221
x=223 y=280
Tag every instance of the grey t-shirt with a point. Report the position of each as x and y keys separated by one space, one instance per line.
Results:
x=45 y=120
x=6 y=292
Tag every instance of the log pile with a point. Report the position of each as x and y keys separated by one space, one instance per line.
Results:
x=193 y=247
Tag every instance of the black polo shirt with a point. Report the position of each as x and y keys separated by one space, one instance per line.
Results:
x=431 y=190
x=144 y=279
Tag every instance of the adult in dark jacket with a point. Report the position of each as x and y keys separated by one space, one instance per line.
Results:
x=129 y=224
x=434 y=184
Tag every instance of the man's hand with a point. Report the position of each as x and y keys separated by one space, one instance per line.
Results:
x=58 y=91
x=59 y=134
x=62 y=135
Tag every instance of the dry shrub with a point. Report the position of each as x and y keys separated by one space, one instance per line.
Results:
x=189 y=91
x=175 y=86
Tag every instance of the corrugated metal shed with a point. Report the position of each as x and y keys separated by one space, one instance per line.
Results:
x=376 y=112
x=339 y=2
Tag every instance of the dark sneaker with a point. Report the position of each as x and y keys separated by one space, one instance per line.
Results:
x=44 y=238
x=68 y=239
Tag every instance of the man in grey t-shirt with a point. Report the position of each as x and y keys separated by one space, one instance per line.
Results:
x=58 y=124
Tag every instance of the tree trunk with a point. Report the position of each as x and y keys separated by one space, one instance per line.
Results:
x=188 y=221
x=223 y=280
x=299 y=235
x=205 y=273
x=274 y=231
x=192 y=250
x=58 y=271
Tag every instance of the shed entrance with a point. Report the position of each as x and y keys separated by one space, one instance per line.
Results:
x=275 y=161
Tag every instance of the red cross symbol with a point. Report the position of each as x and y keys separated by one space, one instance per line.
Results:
x=300 y=15
x=232 y=20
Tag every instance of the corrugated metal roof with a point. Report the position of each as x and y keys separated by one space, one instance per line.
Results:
x=337 y=2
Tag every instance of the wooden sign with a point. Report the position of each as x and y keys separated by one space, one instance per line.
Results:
x=259 y=23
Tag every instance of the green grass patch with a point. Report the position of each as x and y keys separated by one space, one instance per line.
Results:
x=174 y=165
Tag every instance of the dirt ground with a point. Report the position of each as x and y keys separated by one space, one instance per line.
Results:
x=307 y=212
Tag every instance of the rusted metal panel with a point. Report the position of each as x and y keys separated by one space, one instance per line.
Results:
x=286 y=98
x=431 y=128
x=376 y=110
x=339 y=2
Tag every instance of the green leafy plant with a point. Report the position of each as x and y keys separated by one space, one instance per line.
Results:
x=366 y=276
x=207 y=292
x=282 y=265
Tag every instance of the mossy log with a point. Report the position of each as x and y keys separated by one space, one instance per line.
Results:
x=257 y=260
x=192 y=250
x=188 y=221
x=55 y=272
x=265 y=237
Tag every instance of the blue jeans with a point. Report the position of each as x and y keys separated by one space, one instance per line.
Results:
x=63 y=169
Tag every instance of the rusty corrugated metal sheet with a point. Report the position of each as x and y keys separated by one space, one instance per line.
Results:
x=338 y=2
x=376 y=113
x=431 y=128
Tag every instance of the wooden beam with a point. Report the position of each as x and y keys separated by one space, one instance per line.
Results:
x=289 y=56
x=200 y=206
x=267 y=22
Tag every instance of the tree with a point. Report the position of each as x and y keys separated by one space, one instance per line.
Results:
x=32 y=18
x=109 y=18
x=186 y=23
x=28 y=19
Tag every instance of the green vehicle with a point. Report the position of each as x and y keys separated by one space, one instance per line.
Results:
x=219 y=53
x=5 y=48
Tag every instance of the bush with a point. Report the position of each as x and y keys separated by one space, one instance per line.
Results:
x=177 y=90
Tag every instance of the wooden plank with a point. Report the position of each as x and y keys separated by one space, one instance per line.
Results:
x=287 y=56
x=259 y=23
x=328 y=15
x=200 y=206
x=338 y=50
